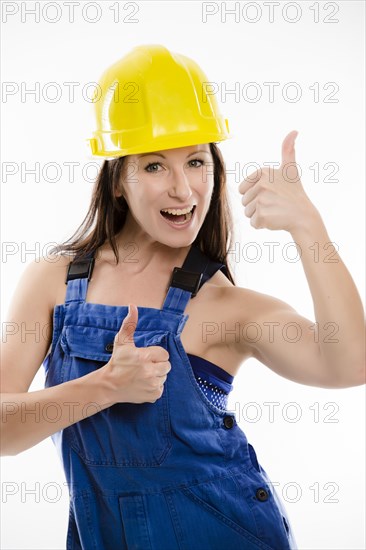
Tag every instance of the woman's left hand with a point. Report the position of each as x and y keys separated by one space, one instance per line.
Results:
x=275 y=198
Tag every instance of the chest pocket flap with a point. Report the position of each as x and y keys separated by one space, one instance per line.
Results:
x=97 y=343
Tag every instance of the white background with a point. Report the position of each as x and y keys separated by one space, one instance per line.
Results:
x=303 y=456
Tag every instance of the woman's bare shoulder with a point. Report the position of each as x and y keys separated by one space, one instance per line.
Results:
x=52 y=271
x=54 y=265
x=235 y=299
x=251 y=304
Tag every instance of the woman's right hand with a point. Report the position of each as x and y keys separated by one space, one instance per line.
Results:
x=135 y=374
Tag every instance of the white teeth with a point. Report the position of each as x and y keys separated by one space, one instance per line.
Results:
x=177 y=212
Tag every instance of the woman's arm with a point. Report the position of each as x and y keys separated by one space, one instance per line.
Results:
x=335 y=355
x=337 y=304
x=29 y=417
x=272 y=332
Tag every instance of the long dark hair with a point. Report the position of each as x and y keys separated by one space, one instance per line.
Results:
x=107 y=215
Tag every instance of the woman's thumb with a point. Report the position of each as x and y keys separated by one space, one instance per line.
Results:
x=125 y=335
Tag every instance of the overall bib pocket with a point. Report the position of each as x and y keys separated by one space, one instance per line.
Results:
x=125 y=434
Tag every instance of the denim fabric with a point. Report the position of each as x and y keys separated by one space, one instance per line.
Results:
x=177 y=474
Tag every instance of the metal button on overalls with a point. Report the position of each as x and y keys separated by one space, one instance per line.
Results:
x=261 y=494
x=109 y=346
x=229 y=422
x=177 y=474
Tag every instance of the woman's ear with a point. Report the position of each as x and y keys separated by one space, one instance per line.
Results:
x=120 y=196
x=119 y=191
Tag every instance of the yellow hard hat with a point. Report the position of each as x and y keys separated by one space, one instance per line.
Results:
x=153 y=99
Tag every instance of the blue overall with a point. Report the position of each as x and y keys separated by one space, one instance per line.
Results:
x=177 y=474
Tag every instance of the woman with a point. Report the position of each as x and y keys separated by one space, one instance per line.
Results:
x=152 y=457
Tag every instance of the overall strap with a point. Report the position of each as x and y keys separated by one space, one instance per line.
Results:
x=78 y=275
x=188 y=279
x=184 y=284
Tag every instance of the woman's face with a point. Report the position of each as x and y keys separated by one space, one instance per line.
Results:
x=179 y=178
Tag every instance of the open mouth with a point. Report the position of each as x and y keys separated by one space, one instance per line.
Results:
x=179 y=219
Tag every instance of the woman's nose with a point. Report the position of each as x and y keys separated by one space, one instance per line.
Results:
x=180 y=185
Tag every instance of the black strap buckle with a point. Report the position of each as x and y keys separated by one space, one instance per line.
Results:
x=186 y=280
x=79 y=269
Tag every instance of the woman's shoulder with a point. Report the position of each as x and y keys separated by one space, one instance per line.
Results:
x=48 y=268
x=55 y=265
x=240 y=302
x=52 y=270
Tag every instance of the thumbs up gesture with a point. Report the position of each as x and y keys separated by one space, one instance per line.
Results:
x=275 y=198
x=135 y=374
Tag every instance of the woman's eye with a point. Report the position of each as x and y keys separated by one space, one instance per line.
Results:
x=147 y=168
x=198 y=160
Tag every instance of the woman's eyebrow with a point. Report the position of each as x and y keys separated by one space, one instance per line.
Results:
x=160 y=155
